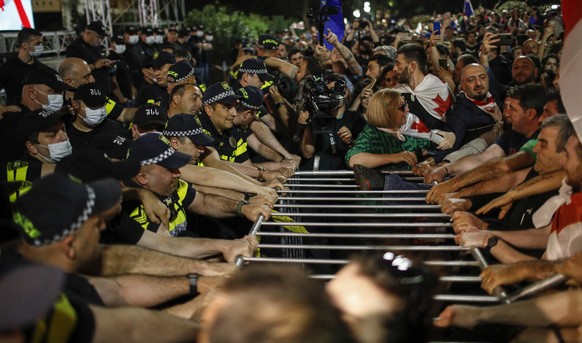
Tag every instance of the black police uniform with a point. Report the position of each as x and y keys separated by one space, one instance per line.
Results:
x=11 y=76
x=91 y=54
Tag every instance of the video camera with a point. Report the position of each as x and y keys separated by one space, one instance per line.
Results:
x=320 y=101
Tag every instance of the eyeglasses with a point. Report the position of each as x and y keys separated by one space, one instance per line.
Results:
x=404 y=105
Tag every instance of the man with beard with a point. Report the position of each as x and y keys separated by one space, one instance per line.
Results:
x=476 y=111
x=428 y=98
x=185 y=99
x=524 y=71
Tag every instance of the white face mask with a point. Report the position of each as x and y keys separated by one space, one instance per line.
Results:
x=150 y=40
x=38 y=50
x=159 y=39
x=94 y=117
x=120 y=49
x=57 y=151
x=199 y=33
x=209 y=38
x=133 y=39
x=55 y=102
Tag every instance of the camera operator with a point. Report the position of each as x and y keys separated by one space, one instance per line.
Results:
x=329 y=128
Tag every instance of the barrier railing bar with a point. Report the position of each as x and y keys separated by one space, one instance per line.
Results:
x=395 y=199
x=360 y=235
x=365 y=247
x=314 y=224
x=538 y=287
x=383 y=207
x=302 y=191
x=466 y=279
x=363 y=215
x=479 y=258
x=466 y=298
x=348 y=172
x=344 y=261
x=321 y=179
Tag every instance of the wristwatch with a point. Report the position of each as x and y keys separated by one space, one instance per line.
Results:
x=491 y=242
x=193 y=284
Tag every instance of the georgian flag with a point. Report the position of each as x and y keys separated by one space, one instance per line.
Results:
x=571 y=63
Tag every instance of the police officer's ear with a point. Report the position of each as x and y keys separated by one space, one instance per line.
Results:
x=31 y=147
x=30 y=91
x=176 y=98
x=208 y=109
x=141 y=178
x=174 y=143
x=67 y=245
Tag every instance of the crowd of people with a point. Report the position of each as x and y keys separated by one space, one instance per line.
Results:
x=130 y=178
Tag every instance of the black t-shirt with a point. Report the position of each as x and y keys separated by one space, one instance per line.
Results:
x=510 y=141
x=79 y=138
x=78 y=48
x=522 y=210
x=122 y=230
x=11 y=76
x=77 y=285
x=330 y=148
x=122 y=74
x=11 y=146
x=153 y=93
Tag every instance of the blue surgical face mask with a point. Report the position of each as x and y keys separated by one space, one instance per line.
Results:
x=55 y=101
x=150 y=40
x=120 y=49
x=94 y=117
x=57 y=151
x=38 y=50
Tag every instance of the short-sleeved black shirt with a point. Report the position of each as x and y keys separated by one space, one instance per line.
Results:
x=11 y=76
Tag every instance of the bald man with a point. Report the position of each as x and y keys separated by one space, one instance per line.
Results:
x=476 y=110
x=76 y=72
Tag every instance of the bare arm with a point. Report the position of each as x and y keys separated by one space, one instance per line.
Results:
x=526 y=239
x=505 y=253
x=208 y=176
x=137 y=325
x=199 y=247
x=499 y=184
x=375 y=160
x=139 y=290
x=538 y=185
x=286 y=68
x=264 y=150
x=128 y=259
x=559 y=309
x=265 y=136
x=486 y=171
x=345 y=52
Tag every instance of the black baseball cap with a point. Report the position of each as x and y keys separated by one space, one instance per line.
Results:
x=162 y=58
x=57 y=205
x=179 y=72
x=185 y=125
x=252 y=99
x=131 y=29
x=114 y=144
x=91 y=95
x=220 y=92
x=98 y=27
x=255 y=66
x=90 y=164
x=39 y=121
x=154 y=148
x=149 y=114
x=268 y=42
x=44 y=75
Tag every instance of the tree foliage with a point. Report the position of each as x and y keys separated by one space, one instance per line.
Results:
x=229 y=25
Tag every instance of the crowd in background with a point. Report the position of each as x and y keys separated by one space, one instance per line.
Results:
x=131 y=175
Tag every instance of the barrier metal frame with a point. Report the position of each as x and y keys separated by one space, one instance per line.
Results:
x=328 y=181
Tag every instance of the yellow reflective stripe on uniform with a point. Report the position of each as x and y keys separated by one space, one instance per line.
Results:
x=241 y=148
x=287 y=219
x=25 y=187
x=16 y=173
x=58 y=325
x=110 y=105
x=202 y=87
x=267 y=84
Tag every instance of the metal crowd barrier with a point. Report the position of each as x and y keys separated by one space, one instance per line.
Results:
x=54 y=42
x=323 y=219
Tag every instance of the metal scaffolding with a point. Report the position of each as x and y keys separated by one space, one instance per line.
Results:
x=99 y=10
